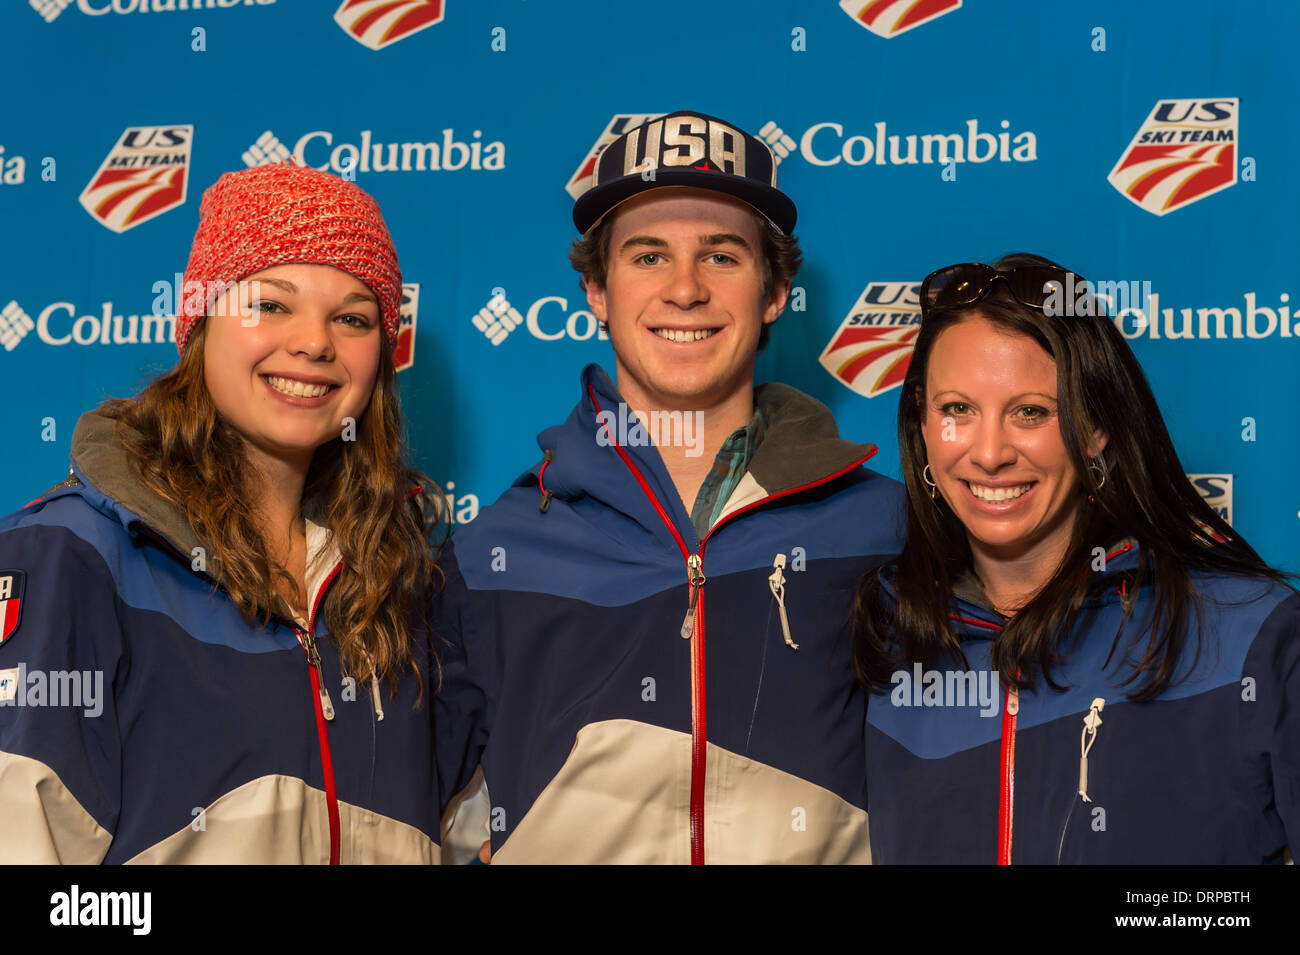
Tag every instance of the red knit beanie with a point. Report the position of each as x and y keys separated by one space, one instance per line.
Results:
x=256 y=218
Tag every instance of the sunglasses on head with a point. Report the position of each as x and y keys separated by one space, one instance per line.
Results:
x=971 y=282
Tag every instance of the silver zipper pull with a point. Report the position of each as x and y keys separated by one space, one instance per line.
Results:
x=1089 y=736
x=313 y=657
x=374 y=697
x=695 y=565
x=776 y=580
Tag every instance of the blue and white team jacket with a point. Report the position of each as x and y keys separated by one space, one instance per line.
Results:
x=1207 y=773
x=143 y=720
x=638 y=695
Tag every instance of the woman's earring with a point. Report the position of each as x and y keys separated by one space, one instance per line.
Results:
x=928 y=477
x=1099 y=474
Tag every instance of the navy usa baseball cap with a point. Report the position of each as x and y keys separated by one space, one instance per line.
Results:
x=685 y=149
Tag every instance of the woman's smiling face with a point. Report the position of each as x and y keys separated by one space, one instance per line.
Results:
x=290 y=353
x=993 y=439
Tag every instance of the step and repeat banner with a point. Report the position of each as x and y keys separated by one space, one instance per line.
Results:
x=1148 y=146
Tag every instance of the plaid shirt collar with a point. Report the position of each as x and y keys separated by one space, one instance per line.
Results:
x=728 y=468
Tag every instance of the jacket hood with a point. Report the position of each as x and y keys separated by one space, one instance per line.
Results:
x=103 y=469
x=801 y=446
x=100 y=460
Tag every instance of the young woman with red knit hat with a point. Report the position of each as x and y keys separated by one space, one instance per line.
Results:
x=232 y=577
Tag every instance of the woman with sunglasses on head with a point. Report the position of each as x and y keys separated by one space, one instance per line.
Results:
x=1074 y=659
x=234 y=572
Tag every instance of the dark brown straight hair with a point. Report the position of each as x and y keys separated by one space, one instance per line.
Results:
x=1142 y=493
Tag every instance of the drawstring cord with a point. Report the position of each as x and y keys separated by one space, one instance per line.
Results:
x=374 y=689
x=776 y=581
x=1088 y=737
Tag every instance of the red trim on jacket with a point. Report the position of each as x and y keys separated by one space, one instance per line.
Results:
x=1007 y=774
x=327 y=766
x=322 y=731
x=699 y=733
x=699 y=699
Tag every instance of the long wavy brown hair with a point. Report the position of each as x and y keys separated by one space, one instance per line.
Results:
x=384 y=517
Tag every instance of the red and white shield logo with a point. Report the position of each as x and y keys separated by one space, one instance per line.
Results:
x=378 y=23
x=1186 y=150
x=584 y=177
x=144 y=175
x=404 y=356
x=872 y=348
x=12 y=585
x=889 y=18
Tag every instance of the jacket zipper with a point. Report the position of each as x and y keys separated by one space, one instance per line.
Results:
x=693 y=629
x=1007 y=759
x=693 y=625
x=1007 y=775
x=324 y=713
x=323 y=705
x=695 y=615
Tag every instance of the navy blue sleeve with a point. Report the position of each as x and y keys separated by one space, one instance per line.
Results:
x=60 y=752
x=1272 y=723
x=461 y=702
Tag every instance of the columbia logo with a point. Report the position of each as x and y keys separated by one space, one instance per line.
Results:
x=266 y=150
x=50 y=9
x=498 y=318
x=782 y=145
x=14 y=324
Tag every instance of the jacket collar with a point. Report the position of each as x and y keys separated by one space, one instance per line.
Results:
x=973 y=611
x=801 y=446
x=103 y=468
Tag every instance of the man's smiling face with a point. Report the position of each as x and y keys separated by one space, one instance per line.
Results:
x=684 y=297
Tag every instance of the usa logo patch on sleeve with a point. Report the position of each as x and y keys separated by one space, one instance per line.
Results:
x=12 y=585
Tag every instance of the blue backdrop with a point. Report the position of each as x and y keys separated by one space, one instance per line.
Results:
x=1144 y=144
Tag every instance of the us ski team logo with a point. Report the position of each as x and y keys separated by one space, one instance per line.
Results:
x=889 y=18
x=404 y=357
x=378 y=23
x=873 y=346
x=144 y=175
x=12 y=584
x=581 y=180
x=1186 y=150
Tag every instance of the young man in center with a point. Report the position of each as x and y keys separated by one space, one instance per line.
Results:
x=647 y=644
